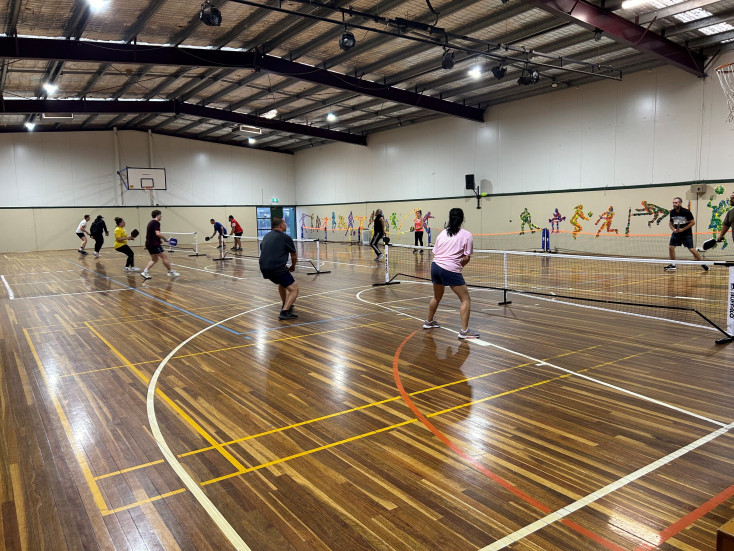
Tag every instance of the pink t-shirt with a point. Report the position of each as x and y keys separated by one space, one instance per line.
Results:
x=447 y=251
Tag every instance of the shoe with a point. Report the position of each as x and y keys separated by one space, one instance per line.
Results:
x=290 y=310
x=670 y=268
x=705 y=267
x=82 y=251
x=145 y=274
x=131 y=269
x=468 y=334
x=219 y=247
x=286 y=315
x=173 y=273
x=433 y=324
x=233 y=249
x=380 y=257
x=415 y=251
x=96 y=254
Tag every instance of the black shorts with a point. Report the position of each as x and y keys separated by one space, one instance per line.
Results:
x=678 y=239
x=81 y=235
x=281 y=276
x=158 y=249
x=441 y=276
x=238 y=234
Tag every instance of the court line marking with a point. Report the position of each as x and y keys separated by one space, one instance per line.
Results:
x=71 y=294
x=602 y=492
x=78 y=450
x=150 y=296
x=484 y=343
x=11 y=296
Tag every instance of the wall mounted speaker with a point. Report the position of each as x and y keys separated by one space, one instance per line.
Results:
x=469 y=181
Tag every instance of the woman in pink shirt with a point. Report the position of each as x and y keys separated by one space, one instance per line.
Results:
x=451 y=253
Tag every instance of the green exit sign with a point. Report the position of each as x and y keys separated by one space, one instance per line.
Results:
x=275 y=200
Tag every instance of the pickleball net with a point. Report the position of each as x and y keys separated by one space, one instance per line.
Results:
x=640 y=287
x=309 y=251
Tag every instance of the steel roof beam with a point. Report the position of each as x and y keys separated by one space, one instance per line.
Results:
x=85 y=51
x=625 y=32
x=163 y=107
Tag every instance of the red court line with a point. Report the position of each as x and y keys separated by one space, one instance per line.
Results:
x=484 y=470
x=689 y=519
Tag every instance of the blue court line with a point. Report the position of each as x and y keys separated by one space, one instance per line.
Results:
x=210 y=322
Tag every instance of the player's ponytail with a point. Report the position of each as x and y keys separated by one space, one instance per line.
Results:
x=456 y=219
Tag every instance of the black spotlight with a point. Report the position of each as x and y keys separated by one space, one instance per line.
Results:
x=529 y=76
x=347 y=41
x=210 y=15
x=499 y=71
x=447 y=61
x=597 y=35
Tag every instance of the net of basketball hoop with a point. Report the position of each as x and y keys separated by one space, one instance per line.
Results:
x=726 y=79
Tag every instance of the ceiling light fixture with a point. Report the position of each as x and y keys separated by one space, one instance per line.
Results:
x=97 y=5
x=529 y=76
x=270 y=114
x=347 y=40
x=499 y=71
x=331 y=117
x=475 y=72
x=447 y=61
x=50 y=88
x=251 y=141
x=30 y=125
x=631 y=4
x=210 y=15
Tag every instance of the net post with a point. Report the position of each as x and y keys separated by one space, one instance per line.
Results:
x=505 y=302
x=729 y=308
x=196 y=246
x=387 y=269
x=318 y=261
x=223 y=254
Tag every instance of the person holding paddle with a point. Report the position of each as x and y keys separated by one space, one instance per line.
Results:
x=153 y=239
x=121 y=239
x=681 y=223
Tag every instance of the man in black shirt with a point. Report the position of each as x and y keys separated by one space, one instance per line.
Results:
x=274 y=250
x=681 y=223
x=379 y=232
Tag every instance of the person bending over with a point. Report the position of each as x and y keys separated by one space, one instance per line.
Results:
x=275 y=248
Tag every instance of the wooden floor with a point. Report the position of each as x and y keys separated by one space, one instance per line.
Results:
x=182 y=414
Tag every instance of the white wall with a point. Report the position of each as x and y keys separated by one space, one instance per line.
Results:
x=657 y=126
x=79 y=169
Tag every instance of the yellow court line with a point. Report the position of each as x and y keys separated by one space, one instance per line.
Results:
x=204 y=352
x=78 y=452
x=144 y=501
x=391 y=427
x=198 y=428
x=358 y=408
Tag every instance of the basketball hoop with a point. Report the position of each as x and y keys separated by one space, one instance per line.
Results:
x=726 y=79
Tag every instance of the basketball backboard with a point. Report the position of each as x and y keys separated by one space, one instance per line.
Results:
x=135 y=178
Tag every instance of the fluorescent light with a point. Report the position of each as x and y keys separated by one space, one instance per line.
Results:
x=331 y=117
x=98 y=4
x=631 y=4
x=475 y=72
x=30 y=125
x=50 y=88
x=270 y=114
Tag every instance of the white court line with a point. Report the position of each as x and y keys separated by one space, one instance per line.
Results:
x=567 y=510
x=602 y=492
x=194 y=487
x=70 y=294
x=11 y=296
x=209 y=271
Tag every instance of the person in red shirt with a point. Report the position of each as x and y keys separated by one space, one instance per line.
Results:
x=237 y=232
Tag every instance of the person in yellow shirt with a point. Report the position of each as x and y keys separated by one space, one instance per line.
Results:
x=121 y=239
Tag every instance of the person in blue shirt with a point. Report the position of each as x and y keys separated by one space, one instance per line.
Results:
x=218 y=229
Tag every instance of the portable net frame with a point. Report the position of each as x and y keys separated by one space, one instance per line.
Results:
x=639 y=287
x=726 y=79
x=185 y=241
x=308 y=250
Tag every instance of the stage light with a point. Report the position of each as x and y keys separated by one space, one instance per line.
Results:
x=529 y=76
x=50 y=88
x=347 y=41
x=447 y=61
x=30 y=125
x=210 y=15
x=331 y=117
x=597 y=35
x=499 y=71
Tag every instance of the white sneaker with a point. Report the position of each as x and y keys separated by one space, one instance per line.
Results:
x=145 y=274
x=173 y=273
x=433 y=324
x=131 y=269
x=96 y=254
